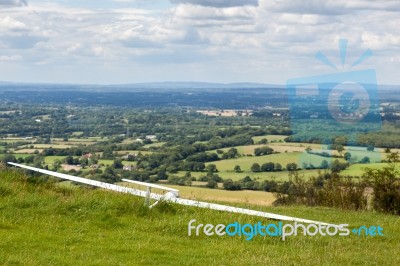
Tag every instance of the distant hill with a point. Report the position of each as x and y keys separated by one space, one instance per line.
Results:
x=153 y=85
x=136 y=86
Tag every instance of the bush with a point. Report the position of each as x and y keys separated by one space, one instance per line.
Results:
x=212 y=184
x=255 y=167
x=336 y=192
x=181 y=181
x=268 y=167
x=291 y=167
x=263 y=151
x=365 y=160
x=230 y=185
x=386 y=186
x=269 y=186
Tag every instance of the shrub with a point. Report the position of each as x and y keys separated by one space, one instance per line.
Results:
x=212 y=184
x=386 y=186
x=231 y=185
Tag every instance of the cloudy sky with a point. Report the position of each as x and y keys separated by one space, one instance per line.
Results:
x=129 y=41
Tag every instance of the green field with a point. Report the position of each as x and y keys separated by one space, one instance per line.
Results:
x=290 y=153
x=125 y=152
x=357 y=155
x=46 y=146
x=246 y=162
x=51 y=159
x=270 y=138
x=22 y=155
x=42 y=224
x=105 y=162
x=13 y=140
x=26 y=151
x=154 y=145
x=260 y=176
x=358 y=169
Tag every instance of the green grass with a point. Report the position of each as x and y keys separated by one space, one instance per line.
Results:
x=42 y=224
x=105 y=162
x=51 y=159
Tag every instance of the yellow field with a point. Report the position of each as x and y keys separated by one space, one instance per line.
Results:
x=205 y=194
x=74 y=143
x=54 y=146
x=125 y=152
x=29 y=151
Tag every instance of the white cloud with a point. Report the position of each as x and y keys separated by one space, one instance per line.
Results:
x=275 y=40
x=10 y=58
x=9 y=23
x=13 y=3
x=218 y=3
x=331 y=7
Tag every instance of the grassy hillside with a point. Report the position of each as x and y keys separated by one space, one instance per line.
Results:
x=41 y=223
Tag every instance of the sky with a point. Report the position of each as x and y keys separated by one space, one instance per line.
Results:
x=134 y=41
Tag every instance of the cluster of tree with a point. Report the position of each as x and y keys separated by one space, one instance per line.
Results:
x=181 y=181
x=203 y=157
x=324 y=154
x=232 y=185
x=210 y=177
x=230 y=154
x=35 y=160
x=190 y=167
x=253 y=184
x=335 y=166
x=267 y=167
x=388 y=137
x=231 y=141
x=263 y=151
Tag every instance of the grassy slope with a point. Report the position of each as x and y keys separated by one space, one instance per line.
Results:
x=45 y=224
